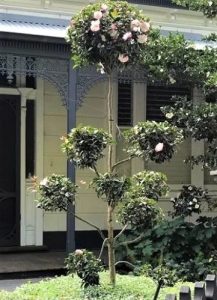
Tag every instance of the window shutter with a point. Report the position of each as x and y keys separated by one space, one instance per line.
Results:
x=158 y=96
x=124 y=104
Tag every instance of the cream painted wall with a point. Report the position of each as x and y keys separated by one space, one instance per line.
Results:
x=93 y=113
x=55 y=125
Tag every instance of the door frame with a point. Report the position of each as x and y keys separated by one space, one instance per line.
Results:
x=30 y=94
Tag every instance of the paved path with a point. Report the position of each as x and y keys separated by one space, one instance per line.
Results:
x=35 y=261
x=12 y=284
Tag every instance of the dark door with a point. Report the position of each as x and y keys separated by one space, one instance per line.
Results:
x=9 y=170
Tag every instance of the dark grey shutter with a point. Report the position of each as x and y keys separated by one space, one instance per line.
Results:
x=124 y=104
x=158 y=96
x=163 y=3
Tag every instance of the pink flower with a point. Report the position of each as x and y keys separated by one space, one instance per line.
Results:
x=114 y=32
x=95 y=26
x=97 y=15
x=72 y=23
x=127 y=36
x=135 y=25
x=123 y=58
x=104 y=7
x=159 y=147
x=114 y=26
x=142 y=38
x=79 y=252
x=145 y=26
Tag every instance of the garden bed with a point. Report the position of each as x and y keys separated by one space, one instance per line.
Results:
x=68 y=287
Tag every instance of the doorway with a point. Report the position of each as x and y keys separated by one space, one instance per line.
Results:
x=9 y=170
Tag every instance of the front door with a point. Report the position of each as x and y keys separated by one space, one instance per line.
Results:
x=9 y=170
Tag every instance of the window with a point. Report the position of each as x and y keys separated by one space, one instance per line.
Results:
x=30 y=138
x=158 y=96
x=125 y=104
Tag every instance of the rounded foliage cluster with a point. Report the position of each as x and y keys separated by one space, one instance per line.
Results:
x=179 y=113
x=112 y=187
x=154 y=141
x=84 y=146
x=108 y=33
x=139 y=213
x=149 y=184
x=203 y=122
x=199 y=121
x=189 y=201
x=55 y=192
x=207 y=7
x=86 y=265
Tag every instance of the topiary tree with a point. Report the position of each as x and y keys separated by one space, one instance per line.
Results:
x=115 y=36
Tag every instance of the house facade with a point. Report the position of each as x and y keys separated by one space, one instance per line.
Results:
x=41 y=98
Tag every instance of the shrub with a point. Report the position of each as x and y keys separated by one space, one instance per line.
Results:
x=55 y=192
x=86 y=265
x=185 y=247
x=154 y=141
x=85 y=145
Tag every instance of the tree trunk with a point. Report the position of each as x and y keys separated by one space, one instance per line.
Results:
x=111 y=251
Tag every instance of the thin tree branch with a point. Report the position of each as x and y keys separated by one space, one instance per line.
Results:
x=121 y=162
x=121 y=232
x=102 y=248
x=126 y=243
x=92 y=225
x=126 y=263
x=96 y=171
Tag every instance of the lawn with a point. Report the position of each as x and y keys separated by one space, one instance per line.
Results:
x=67 y=287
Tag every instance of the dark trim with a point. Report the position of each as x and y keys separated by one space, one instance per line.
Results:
x=33 y=46
x=162 y=3
x=71 y=123
x=18 y=164
x=56 y=240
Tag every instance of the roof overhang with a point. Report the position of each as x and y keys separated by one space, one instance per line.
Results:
x=44 y=28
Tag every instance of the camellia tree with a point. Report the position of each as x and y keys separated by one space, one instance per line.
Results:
x=114 y=36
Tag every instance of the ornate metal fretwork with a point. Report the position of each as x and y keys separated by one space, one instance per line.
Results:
x=51 y=69
x=56 y=71
x=88 y=77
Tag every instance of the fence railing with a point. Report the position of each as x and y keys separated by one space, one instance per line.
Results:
x=202 y=291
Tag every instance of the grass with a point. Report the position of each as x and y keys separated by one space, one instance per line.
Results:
x=68 y=288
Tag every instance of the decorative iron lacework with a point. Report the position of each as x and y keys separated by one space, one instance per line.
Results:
x=53 y=70
x=56 y=71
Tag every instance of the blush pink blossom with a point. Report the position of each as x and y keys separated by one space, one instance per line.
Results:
x=145 y=26
x=142 y=38
x=135 y=23
x=123 y=58
x=97 y=15
x=72 y=23
x=159 y=147
x=127 y=36
x=79 y=252
x=104 y=7
x=95 y=26
x=114 y=26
